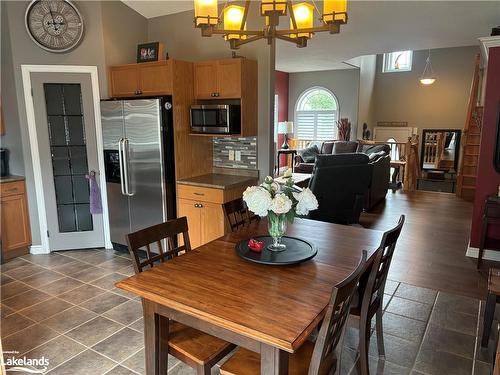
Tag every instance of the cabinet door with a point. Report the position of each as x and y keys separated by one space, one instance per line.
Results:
x=123 y=80
x=205 y=79
x=15 y=222
x=187 y=208
x=155 y=79
x=212 y=222
x=229 y=78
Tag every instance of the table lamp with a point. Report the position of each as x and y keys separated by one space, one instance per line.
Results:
x=285 y=127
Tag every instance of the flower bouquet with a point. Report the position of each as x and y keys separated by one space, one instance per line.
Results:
x=280 y=203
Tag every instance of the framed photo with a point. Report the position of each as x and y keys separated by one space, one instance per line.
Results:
x=147 y=52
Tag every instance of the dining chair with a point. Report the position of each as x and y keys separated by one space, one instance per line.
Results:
x=238 y=214
x=321 y=357
x=369 y=298
x=195 y=348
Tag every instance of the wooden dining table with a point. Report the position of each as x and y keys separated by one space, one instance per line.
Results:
x=270 y=310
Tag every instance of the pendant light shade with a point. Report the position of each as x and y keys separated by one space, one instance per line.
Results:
x=233 y=17
x=205 y=12
x=428 y=77
x=304 y=18
x=335 y=10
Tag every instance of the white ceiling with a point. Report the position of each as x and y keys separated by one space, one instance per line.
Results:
x=373 y=27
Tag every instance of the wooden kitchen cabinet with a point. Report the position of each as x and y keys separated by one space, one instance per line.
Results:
x=221 y=79
x=203 y=208
x=145 y=79
x=15 y=225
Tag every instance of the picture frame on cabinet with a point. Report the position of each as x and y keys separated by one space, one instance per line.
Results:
x=152 y=51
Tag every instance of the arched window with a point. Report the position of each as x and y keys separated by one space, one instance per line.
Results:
x=316 y=115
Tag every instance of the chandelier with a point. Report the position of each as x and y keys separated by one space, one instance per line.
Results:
x=231 y=21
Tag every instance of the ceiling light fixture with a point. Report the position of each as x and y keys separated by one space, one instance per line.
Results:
x=428 y=77
x=301 y=29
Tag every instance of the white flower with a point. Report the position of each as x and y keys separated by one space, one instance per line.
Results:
x=306 y=201
x=288 y=173
x=258 y=200
x=281 y=204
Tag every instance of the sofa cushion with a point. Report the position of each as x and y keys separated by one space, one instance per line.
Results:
x=376 y=155
x=309 y=154
x=341 y=159
x=343 y=147
x=369 y=149
x=327 y=147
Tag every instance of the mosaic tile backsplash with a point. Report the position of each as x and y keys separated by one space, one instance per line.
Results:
x=225 y=148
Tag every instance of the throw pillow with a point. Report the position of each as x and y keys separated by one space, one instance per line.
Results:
x=309 y=154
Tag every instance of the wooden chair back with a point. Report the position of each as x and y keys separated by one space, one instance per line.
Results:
x=163 y=237
x=237 y=214
x=326 y=353
x=375 y=285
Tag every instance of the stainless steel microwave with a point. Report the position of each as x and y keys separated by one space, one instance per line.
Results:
x=216 y=118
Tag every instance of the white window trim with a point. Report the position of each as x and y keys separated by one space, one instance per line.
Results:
x=386 y=69
x=315 y=112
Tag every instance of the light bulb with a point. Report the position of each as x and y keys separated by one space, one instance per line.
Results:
x=301 y=13
x=427 y=81
x=235 y=15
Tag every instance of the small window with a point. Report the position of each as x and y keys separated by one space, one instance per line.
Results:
x=316 y=115
x=399 y=61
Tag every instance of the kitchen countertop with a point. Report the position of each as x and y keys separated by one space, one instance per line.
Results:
x=11 y=178
x=218 y=181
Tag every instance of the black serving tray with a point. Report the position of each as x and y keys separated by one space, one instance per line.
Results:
x=297 y=251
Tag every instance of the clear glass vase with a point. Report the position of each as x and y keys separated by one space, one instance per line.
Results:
x=276 y=224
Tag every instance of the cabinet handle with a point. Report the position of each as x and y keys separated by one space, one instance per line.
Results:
x=200 y=205
x=11 y=189
x=200 y=194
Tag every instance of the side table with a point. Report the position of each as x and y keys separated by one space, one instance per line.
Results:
x=284 y=151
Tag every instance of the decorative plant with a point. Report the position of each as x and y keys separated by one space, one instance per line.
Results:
x=280 y=203
x=344 y=129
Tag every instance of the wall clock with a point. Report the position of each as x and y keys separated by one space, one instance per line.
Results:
x=54 y=25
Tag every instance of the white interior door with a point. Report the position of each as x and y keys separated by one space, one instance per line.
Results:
x=66 y=135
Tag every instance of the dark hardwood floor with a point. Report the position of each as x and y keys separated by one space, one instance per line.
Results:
x=432 y=246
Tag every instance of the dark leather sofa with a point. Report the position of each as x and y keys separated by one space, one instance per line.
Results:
x=340 y=183
x=378 y=160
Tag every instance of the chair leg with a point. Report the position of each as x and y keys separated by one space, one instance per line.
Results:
x=364 y=337
x=489 y=312
x=203 y=370
x=380 y=333
x=482 y=242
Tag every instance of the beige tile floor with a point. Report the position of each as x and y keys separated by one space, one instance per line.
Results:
x=64 y=306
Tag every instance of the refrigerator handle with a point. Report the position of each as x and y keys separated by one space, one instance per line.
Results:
x=125 y=167
x=120 y=158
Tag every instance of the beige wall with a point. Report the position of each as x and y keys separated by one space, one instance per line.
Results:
x=401 y=97
x=182 y=41
x=17 y=48
x=367 y=73
x=344 y=84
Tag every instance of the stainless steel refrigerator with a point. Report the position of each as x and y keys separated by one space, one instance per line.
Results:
x=139 y=164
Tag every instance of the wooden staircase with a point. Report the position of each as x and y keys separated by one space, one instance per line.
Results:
x=471 y=138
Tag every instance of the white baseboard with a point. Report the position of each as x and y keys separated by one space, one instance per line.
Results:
x=487 y=254
x=38 y=249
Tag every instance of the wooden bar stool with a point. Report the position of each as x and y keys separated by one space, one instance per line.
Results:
x=491 y=301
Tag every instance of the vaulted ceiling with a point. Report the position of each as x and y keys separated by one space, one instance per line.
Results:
x=374 y=27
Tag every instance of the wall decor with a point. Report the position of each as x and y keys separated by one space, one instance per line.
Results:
x=54 y=25
x=152 y=51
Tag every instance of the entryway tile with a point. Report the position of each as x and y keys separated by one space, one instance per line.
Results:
x=442 y=340
x=23 y=271
x=14 y=323
x=415 y=293
x=90 y=274
x=26 y=299
x=456 y=303
x=391 y=286
x=62 y=286
x=12 y=289
x=116 y=263
x=69 y=319
x=104 y=302
x=121 y=345
x=72 y=268
x=48 y=260
x=403 y=327
x=28 y=338
x=397 y=350
x=93 y=331
x=81 y=294
x=137 y=362
x=410 y=309
x=138 y=325
x=86 y=363
x=46 y=309
x=120 y=370
x=108 y=282
x=38 y=280
x=439 y=363
x=448 y=318
x=126 y=313
x=57 y=350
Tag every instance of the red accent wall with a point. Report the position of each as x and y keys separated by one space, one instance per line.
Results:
x=487 y=178
x=281 y=89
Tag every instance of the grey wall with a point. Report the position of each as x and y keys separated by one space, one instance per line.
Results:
x=367 y=74
x=17 y=48
x=184 y=42
x=343 y=83
x=401 y=97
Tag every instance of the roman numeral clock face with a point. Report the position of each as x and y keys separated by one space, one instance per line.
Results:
x=54 y=25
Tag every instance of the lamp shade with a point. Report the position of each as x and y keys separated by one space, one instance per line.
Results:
x=303 y=13
x=335 y=10
x=428 y=77
x=205 y=12
x=285 y=127
x=270 y=6
x=233 y=17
